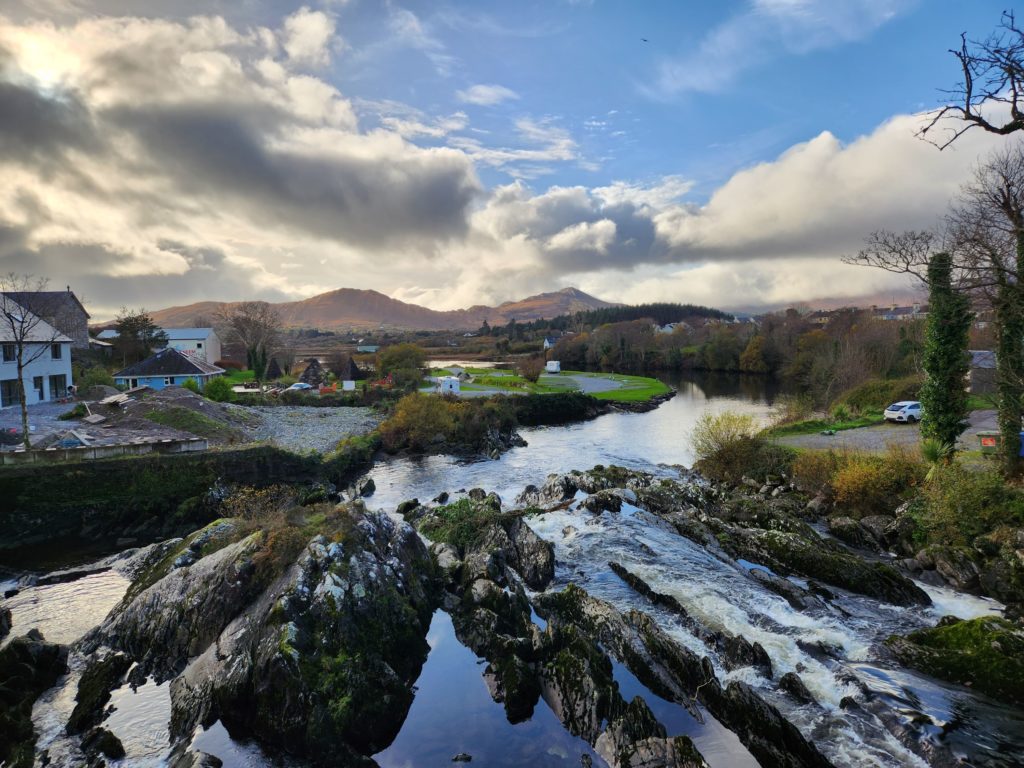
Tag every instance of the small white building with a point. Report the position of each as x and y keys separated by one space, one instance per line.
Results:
x=199 y=343
x=553 y=366
x=47 y=375
x=348 y=385
x=449 y=384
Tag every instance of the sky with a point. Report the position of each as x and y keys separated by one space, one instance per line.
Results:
x=162 y=152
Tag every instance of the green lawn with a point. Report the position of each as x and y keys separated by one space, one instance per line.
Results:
x=981 y=402
x=633 y=388
x=237 y=378
x=814 y=426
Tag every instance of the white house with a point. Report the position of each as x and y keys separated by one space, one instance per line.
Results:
x=48 y=374
x=199 y=343
x=553 y=366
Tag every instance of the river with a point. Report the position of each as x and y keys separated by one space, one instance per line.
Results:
x=453 y=712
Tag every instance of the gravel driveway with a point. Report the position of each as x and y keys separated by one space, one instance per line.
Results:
x=302 y=428
x=878 y=438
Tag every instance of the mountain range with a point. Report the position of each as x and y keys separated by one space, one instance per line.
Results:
x=351 y=308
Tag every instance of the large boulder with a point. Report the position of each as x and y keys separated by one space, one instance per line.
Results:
x=986 y=653
x=29 y=665
x=323 y=663
x=5 y=622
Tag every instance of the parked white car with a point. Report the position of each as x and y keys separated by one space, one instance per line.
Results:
x=300 y=386
x=908 y=411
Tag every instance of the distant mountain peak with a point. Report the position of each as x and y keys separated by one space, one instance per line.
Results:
x=362 y=308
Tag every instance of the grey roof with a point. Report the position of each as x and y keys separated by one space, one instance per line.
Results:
x=983 y=358
x=40 y=332
x=42 y=301
x=169 y=362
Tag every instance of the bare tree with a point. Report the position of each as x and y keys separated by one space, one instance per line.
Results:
x=256 y=326
x=25 y=335
x=984 y=233
x=993 y=81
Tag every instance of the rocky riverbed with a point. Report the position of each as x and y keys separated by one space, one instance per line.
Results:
x=630 y=619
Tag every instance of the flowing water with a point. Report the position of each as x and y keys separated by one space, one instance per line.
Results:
x=453 y=711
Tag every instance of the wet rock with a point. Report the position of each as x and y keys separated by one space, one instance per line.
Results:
x=447 y=558
x=985 y=653
x=462 y=757
x=677 y=674
x=556 y=490
x=602 y=501
x=877 y=526
x=734 y=650
x=100 y=741
x=818 y=505
x=792 y=684
x=5 y=622
x=957 y=567
x=407 y=506
x=477 y=494
x=365 y=487
x=851 y=532
x=29 y=665
x=784 y=551
x=441 y=498
x=799 y=598
x=179 y=615
x=190 y=759
x=94 y=687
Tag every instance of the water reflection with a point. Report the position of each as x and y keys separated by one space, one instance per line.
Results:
x=635 y=440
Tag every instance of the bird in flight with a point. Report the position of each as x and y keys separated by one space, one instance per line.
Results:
x=644 y=39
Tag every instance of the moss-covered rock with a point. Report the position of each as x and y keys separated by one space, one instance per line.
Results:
x=986 y=653
x=28 y=666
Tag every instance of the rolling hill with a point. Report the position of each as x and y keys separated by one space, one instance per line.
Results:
x=346 y=308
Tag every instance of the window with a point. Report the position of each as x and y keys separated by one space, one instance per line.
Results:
x=168 y=380
x=10 y=393
x=37 y=384
x=199 y=345
x=10 y=353
x=56 y=352
x=58 y=386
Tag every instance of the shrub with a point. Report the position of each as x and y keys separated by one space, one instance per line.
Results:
x=531 y=368
x=876 y=394
x=813 y=471
x=871 y=484
x=418 y=422
x=219 y=389
x=792 y=408
x=75 y=413
x=95 y=376
x=841 y=413
x=191 y=385
x=729 y=445
x=460 y=523
x=960 y=504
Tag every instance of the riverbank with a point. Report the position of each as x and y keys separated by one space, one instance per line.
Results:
x=613 y=387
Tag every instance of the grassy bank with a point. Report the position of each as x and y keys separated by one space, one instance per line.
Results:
x=628 y=389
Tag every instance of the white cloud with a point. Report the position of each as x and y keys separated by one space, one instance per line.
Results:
x=308 y=36
x=486 y=95
x=767 y=29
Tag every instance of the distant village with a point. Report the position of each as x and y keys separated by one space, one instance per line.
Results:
x=198 y=354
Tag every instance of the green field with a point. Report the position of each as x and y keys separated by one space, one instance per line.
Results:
x=505 y=380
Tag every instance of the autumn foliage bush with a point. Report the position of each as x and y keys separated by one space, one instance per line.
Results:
x=861 y=484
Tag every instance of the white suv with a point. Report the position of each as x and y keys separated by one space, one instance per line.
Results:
x=908 y=411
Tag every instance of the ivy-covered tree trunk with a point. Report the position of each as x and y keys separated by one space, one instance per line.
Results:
x=943 y=397
x=1009 y=367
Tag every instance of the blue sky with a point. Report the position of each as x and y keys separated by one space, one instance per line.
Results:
x=457 y=153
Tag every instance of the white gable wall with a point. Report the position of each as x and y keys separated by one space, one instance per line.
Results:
x=43 y=368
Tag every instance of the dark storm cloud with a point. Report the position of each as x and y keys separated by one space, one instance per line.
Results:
x=38 y=127
x=353 y=199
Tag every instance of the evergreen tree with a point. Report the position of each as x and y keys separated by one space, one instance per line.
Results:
x=943 y=396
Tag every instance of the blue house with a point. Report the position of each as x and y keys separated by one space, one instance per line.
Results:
x=166 y=368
